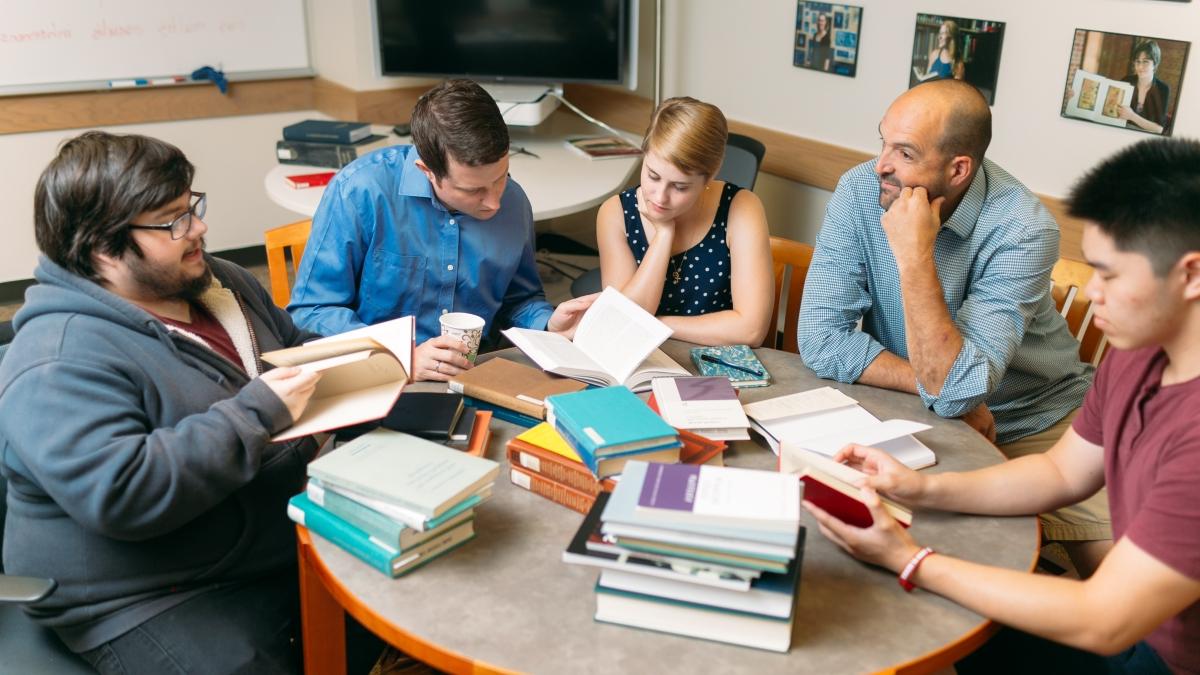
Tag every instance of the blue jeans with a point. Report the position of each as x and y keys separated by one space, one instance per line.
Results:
x=1012 y=651
x=245 y=628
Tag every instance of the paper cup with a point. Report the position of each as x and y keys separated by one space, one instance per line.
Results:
x=465 y=327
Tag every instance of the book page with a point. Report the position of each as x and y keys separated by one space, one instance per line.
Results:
x=396 y=336
x=553 y=352
x=871 y=435
x=618 y=334
x=802 y=403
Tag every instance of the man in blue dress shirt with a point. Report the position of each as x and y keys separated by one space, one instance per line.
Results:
x=427 y=229
x=946 y=260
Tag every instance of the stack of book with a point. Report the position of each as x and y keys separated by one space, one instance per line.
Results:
x=542 y=462
x=706 y=552
x=609 y=426
x=326 y=143
x=393 y=500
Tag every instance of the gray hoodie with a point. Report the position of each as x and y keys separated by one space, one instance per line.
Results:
x=138 y=459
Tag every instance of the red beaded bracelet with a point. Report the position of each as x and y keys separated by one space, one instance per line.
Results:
x=911 y=569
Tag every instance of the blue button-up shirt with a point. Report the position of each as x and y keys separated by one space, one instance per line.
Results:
x=383 y=246
x=994 y=256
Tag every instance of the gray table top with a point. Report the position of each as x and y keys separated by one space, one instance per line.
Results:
x=507 y=599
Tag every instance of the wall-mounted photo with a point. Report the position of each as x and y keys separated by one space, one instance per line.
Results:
x=947 y=47
x=1129 y=81
x=827 y=37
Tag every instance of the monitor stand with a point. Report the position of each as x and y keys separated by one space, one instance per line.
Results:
x=524 y=105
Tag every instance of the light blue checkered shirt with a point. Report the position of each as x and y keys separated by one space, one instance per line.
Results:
x=993 y=257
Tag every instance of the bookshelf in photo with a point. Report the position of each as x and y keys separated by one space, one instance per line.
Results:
x=827 y=37
x=978 y=43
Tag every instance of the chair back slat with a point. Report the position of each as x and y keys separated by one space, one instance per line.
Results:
x=790 y=260
x=282 y=243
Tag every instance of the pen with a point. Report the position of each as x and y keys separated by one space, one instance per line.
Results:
x=712 y=359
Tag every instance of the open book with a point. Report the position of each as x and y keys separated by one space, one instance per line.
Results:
x=362 y=374
x=825 y=420
x=1097 y=98
x=834 y=488
x=616 y=343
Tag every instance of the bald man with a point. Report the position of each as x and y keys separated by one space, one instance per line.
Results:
x=945 y=258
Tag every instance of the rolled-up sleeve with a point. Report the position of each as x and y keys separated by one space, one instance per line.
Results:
x=993 y=319
x=836 y=296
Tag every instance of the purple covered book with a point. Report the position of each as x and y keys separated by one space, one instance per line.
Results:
x=718 y=495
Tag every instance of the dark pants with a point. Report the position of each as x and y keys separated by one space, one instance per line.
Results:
x=246 y=628
x=1012 y=651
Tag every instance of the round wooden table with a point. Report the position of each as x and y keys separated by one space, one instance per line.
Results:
x=506 y=601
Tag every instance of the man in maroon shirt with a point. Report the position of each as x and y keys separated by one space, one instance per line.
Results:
x=1137 y=434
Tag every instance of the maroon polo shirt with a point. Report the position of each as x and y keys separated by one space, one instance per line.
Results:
x=206 y=327
x=1151 y=439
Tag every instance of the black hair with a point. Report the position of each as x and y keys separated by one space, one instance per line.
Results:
x=458 y=119
x=1147 y=198
x=97 y=185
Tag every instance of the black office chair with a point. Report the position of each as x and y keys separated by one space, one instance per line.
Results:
x=26 y=646
x=743 y=156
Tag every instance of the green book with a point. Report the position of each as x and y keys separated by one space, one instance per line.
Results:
x=737 y=362
x=392 y=532
x=414 y=473
x=370 y=550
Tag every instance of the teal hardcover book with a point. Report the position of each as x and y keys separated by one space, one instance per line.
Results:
x=388 y=530
x=363 y=546
x=414 y=473
x=607 y=421
x=737 y=362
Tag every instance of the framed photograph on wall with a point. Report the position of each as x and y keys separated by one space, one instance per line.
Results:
x=1127 y=81
x=947 y=47
x=827 y=37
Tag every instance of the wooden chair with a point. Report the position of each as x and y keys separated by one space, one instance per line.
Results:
x=290 y=238
x=1068 y=280
x=786 y=253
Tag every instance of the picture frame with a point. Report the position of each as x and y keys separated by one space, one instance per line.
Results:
x=1147 y=70
x=946 y=47
x=827 y=37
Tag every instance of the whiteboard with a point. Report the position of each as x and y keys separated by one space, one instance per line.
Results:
x=73 y=45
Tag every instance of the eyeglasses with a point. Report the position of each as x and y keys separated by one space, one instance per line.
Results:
x=180 y=227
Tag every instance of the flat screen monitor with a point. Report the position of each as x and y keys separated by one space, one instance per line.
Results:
x=506 y=40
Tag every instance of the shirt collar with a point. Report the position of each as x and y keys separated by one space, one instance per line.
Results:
x=413 y=182
x=962 y=221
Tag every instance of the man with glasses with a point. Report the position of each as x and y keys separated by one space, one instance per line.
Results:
x=135 y=426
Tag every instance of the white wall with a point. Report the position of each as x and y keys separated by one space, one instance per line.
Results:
x=738 y=55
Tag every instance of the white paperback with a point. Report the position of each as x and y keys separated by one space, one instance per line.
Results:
x=708 y=406
x=824 y=420
x=616 y=343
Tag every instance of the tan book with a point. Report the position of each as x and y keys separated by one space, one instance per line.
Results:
x=362 y=375
x=514 y=386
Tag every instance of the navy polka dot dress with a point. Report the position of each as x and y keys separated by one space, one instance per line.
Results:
x=702 y=283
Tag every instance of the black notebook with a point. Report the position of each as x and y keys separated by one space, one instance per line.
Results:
x=428 y=414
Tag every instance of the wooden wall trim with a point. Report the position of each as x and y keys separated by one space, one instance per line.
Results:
x=79 y=110
x=795 y=158
x=799 y=159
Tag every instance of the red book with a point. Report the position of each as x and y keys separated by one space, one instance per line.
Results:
x=554 y=467
x=309 y=180
x=841 y=500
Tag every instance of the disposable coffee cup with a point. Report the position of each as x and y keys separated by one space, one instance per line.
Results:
x=465 y=327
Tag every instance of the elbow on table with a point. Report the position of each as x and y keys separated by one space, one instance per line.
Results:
x=818 y=354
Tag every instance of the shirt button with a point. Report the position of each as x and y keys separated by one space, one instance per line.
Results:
x=451 y=221
x=450 y=267
x=445 y=311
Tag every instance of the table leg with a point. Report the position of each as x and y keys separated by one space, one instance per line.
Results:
x=322 y=619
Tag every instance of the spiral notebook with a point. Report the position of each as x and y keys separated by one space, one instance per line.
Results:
x=737 y=362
